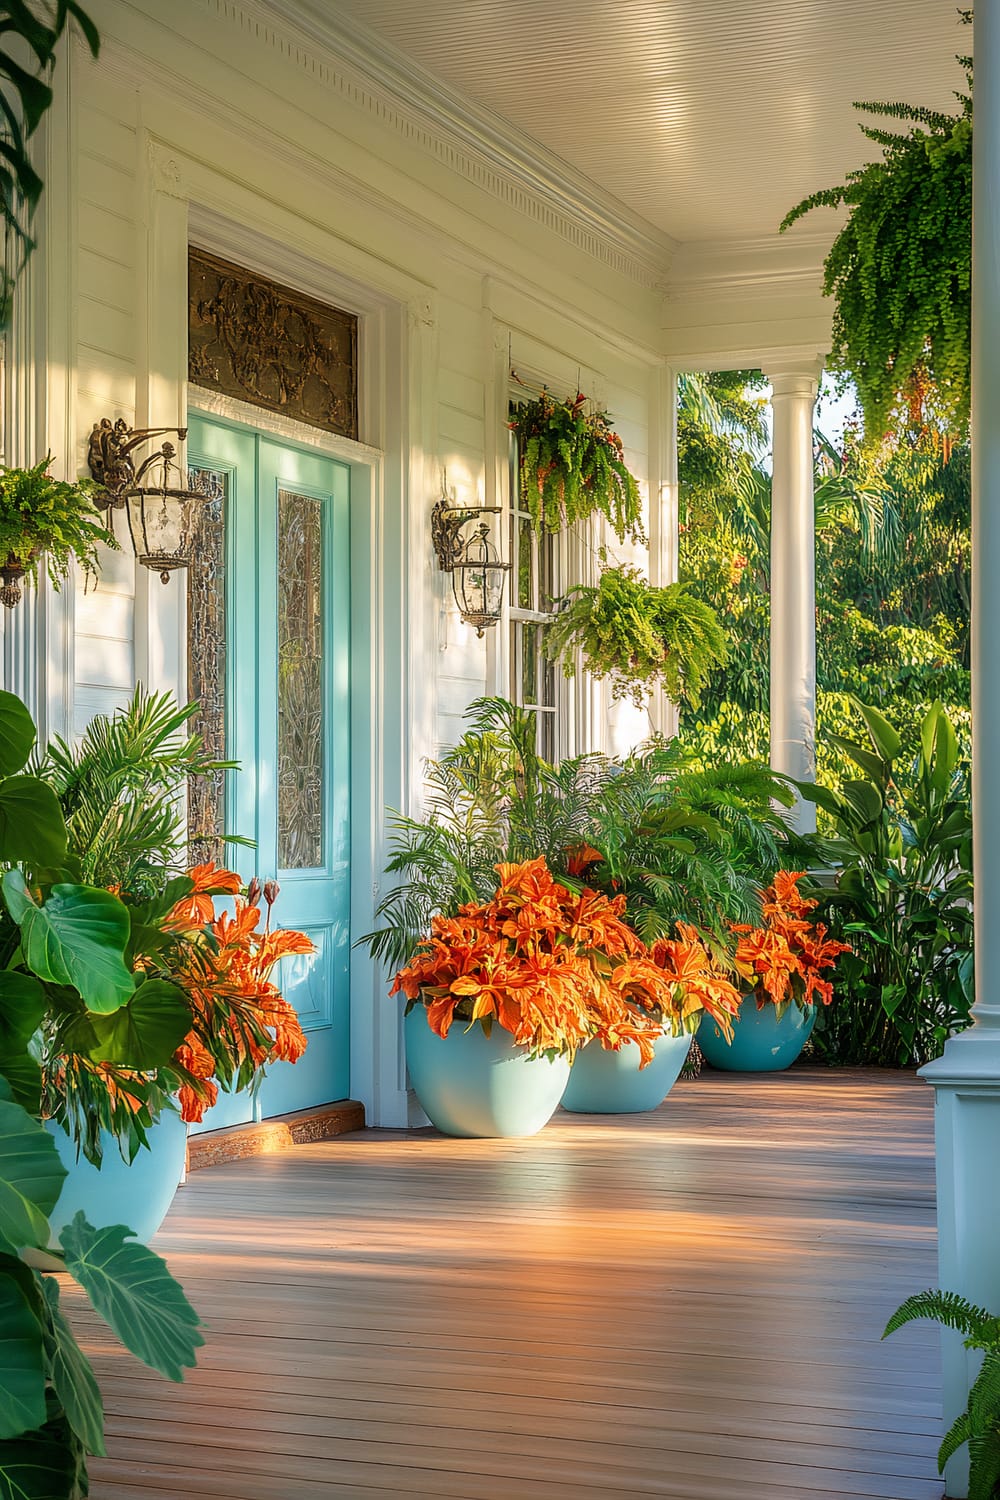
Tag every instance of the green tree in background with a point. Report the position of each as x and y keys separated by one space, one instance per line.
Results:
x=892 y=569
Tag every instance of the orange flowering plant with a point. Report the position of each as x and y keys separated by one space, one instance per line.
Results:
x=557 y=967
x=205 y=1014
x=783 y=958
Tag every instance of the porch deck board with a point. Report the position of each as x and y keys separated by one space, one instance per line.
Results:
x=684 y=1304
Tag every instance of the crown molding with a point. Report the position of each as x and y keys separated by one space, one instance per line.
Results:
x=767 y=263
x=463 y=136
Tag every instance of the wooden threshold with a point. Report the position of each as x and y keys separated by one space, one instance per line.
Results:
x=302 y=1127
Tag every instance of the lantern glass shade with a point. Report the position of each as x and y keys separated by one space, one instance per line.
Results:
x=162 y=527
x=478 y=579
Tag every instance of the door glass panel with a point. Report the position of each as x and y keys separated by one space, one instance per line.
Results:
x=301 y=729
x=206 y=665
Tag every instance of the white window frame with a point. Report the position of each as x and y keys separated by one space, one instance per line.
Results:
x=566 y=552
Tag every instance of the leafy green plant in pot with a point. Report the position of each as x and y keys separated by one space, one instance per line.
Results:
x=638 y=636
x=902 y=896
x=204 y=1013
x=70 y=941
x=39 y=514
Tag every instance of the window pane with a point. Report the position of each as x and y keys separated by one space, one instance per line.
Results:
x=529 y=664
x=546 y=737
x=301 y=729
x=206 y=666
x=525 y=563
x=546 y=570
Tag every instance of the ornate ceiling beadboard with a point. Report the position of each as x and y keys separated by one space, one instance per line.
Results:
x=709 y=120
x=470 y=141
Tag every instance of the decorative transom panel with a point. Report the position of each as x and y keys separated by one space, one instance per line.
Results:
x=271 y=346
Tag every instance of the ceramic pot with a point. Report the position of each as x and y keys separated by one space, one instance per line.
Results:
x=471 y=1084
x=761 y=1042
x=612 y=1083
x=117 y=1193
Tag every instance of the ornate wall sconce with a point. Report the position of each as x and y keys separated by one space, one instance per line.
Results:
x=477 y=574
x=161 y=516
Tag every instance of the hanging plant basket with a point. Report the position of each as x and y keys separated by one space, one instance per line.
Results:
x=640 y=637
x=41 y=515
x=572 y=466
x=900 y=270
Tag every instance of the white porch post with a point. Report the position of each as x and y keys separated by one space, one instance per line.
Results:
x=967 y=1078
x=793 y=577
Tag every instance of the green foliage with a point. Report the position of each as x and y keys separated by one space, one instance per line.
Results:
x=120 y=790
x=678 y=842
x=68 y=995
x=892 y=584
x=902 y=896
x=901 y=267
x=979 y=1424
x=39 y=514
x=51 y=1414
x=572 y=466
x=639 y=636
x=25 y=96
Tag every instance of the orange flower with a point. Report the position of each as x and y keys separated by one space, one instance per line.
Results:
x=551 y=966
x=240 y=1019
x=781 y=960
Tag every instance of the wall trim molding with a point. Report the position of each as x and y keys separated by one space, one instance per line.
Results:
x=466 y=138
x=758 y=265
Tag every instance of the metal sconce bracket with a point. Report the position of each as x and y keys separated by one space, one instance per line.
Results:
x=161 y=534
x=477 y=573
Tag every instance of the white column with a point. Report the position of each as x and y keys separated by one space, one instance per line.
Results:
x=966 y=1078
x=793 y=577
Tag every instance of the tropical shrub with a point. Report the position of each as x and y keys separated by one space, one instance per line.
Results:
x=63 y=945
x=680 y=844
x=201 y=974
x=638 y=636
x=39 y=514
x=979 y=1424
x=901 y=897
x=782 y=959
x=556 y=968
x=164 y=999
x=572 y=466
x=900 y=269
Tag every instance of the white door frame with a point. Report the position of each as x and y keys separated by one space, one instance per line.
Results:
x=397 y=351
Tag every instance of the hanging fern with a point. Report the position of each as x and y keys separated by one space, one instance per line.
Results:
x=25 y=95
x=572 y=466
x=901 y=267
x=639 y=636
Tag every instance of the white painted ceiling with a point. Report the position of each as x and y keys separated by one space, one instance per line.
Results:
x=707 y=118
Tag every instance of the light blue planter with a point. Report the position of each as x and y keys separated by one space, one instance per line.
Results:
x=116 y=1193
x=612 y=1083
x=761 y=1043
x=471 y=1084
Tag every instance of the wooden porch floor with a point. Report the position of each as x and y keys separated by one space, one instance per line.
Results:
x=683 y=1304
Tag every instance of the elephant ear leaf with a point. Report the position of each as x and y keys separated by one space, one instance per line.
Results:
x=17 y=734
x=32 y=830
x=132 y=1290
x=146 y=1031
x=72 y=1377
x=76 y=937
x=22 y=1005
x=31 y=1177
x=22 y=1351
x=46 y=1464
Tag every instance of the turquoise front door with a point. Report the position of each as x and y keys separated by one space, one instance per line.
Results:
x=281 y=578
